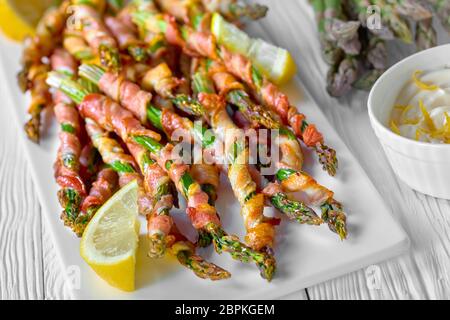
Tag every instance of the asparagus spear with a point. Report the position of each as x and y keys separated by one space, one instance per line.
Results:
x=240 y=98
x=426 y=36
x=399 y=26
x=40 y=98
x=89 y=14
x=95 y=73
x=184 y=183
x=412 y=9
x=342 y=76
x=332 y=210
x=235 y=9
x=442 y=8
x=295 y=210
x=330 y=52
x=124 y=165
x=338 y=29
x=102 y=189
x=202 y=43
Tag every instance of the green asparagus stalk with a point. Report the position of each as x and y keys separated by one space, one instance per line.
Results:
x=330 y=52
x=253 y=11
x=426 y=36
x=93 y=74
x=399 y=26
x=202 y=268
x=339 y=29
x=222 y=241
x=342 y=76
x=115 y=5
x=442 y=8
x=295 y=210
x=257 y=82
x=332 y=210
x=411 y=9
x=376 y=58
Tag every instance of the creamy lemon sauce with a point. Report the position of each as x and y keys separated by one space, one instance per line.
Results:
x=422 y=109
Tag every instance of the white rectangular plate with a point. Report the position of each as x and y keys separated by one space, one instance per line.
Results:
x=305 y=255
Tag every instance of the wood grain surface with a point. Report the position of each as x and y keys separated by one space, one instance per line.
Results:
x=30 y=269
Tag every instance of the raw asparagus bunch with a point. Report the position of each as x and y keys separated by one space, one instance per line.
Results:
x=351 y=60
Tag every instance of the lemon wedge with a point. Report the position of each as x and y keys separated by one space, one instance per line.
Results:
x=274 y=62
x=18 y=18
x=110 y=241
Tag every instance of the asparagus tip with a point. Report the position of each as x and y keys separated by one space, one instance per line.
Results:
x=327 y=157
x=109 y=57
x=138 y=53
x=333 y=214
x=202 y=268
x=295 y=210
x=157 y=246
x=265 y=261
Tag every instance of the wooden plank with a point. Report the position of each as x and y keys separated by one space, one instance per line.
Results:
x=424 y=272
x=21 y=271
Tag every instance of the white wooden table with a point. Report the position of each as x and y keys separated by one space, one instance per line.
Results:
x=29 y=266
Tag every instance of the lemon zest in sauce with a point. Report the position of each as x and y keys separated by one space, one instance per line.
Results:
x=413 y=121
x=405 y=111
x=419 y=132
x=423 y=85
x=394 y=127
x=428 y=121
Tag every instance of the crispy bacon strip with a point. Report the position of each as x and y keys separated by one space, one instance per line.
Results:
x=124 y=35
x=97 y=35
x=113 y=117
x=127 y=94
x=40 y=98
x=260 y=232
x=113 y=154
x=48 y=32
x=161 y=80
x=102 y=189
x=67 y=166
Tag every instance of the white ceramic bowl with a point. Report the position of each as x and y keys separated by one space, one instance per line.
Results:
x=425 y=167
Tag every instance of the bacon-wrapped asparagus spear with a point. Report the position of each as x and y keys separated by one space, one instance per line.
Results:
x=293 y=209
x=102 y=189
x=75 y=44
x=88 y=15
x=112 y=116
x=191 y=11
x=161 y=230
x=48 y=31
x=40 y=98
x=260 y=229
x=290 y=150
x=203 y=44
x=139 y=103
x=67 y=166
x=127 y=39
x=235 y=9
x=34 y=71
